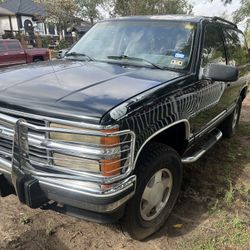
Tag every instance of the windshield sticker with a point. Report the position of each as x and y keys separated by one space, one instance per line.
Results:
x=179 y=55
x=177 y=62
x=189 y=26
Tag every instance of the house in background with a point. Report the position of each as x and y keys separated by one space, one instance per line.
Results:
x=24 y=16
x=7 y=20
x=79 y=28
x=28 y=18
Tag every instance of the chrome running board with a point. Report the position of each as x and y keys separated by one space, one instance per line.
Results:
x=203 y=149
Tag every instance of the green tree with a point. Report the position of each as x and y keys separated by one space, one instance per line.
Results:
x=90 y=9
x=243 y=12
x=248 y=38
x=150 y=7
x=60 y=12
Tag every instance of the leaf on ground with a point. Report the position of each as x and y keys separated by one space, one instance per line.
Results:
x=178 y=226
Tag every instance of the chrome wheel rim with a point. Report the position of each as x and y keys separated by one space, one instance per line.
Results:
x=235 y=117
x=156 y=194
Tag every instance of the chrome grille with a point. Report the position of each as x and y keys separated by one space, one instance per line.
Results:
x=34 y=152
x=7 y=136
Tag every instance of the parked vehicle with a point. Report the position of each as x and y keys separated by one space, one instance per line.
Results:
x=12 y=53
x=105 y=132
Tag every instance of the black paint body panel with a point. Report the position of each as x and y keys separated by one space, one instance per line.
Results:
x=90 y=89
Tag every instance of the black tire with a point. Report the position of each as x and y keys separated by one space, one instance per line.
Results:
x=156 y=157
x=230 y=124
x=37 y=60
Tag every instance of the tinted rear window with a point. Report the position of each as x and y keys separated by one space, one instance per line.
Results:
x=1 y=46
x=236 y=47
x=13 y=45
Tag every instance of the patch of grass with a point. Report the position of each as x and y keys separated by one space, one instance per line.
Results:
x=222 y=181
x=227 y=233
x=25 y=219
x=50 y=229
x=209 y=245
x=229 y=195
x=235 y=232
x=244 y=191
x=213 y=207
x=244 y=129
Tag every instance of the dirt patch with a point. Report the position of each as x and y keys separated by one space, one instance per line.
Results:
x=213 y=211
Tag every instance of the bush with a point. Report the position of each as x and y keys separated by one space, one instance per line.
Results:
x=45 y=41
x=63 y=44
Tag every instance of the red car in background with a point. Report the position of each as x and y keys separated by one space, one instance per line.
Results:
x=12 y=53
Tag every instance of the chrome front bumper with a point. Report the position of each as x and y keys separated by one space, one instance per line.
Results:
x=36 y=185
x=69 y=192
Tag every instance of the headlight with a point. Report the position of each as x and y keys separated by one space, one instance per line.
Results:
x=106 y=167
x=73 y=137
x=76 y=163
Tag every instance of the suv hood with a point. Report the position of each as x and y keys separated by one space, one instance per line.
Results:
x=79 y=88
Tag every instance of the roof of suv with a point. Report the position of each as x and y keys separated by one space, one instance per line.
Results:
x=187 y=18
x=162 y=17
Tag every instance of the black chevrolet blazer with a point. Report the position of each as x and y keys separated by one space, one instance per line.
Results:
x=104 y=133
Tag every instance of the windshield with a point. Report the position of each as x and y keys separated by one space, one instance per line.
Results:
x=152 y=43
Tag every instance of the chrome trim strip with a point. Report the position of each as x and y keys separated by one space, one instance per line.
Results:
x=187 y=126
x=8 y=119
x=72 y=131
x=216 y=120
x=5 y=166
x=121 y=187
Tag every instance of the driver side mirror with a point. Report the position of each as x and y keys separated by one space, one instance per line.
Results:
x=220 y=72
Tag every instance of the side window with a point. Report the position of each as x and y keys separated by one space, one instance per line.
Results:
x=236 y=47
x=13 y=46
x=213 y=46
x=2 y=46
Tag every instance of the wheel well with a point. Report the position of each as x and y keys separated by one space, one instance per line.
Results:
x=243 y=93
x=175 y=136
x=37 y=57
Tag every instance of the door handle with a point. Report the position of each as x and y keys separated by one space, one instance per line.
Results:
x=6 y=54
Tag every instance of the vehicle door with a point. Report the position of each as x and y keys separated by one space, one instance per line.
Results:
x=212 y=97
x=3 y=54
x=237 y=54
x=16 y=53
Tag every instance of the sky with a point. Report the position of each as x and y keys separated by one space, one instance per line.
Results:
x=216 y=8
x=213 y=8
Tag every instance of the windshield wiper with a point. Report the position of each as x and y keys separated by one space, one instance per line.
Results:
x=75 y=54
x=121 y=57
